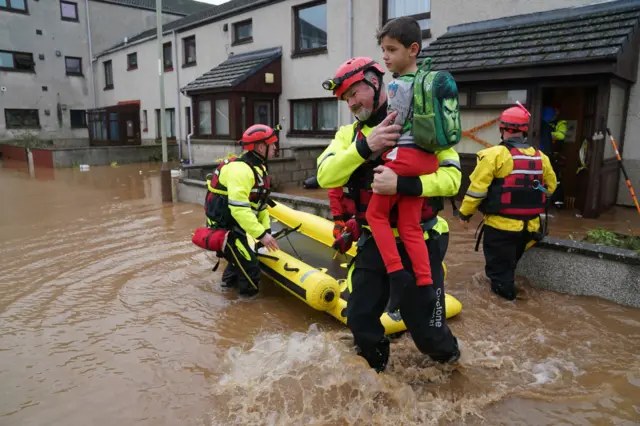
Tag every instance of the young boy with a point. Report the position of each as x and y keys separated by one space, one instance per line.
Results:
x=401 y=41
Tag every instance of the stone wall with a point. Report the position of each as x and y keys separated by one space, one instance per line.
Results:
x=290 y=169
x=104 y=155
x=583 y=269
x=193 y=191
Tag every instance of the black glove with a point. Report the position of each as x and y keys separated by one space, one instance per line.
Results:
x=398 y=281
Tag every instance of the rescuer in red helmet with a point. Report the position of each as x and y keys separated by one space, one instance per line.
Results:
x=236 y=205
x=352 y=161
x=511 y=186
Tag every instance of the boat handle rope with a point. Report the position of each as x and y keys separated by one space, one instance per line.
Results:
x=286 y=268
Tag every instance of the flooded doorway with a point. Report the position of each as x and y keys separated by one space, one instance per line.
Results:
x=566 y=125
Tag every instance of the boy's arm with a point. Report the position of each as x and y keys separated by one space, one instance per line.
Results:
x=445 y=182
x=341 y=158
x=239 y=181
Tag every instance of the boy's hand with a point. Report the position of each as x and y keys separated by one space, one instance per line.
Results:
x=385 y=181
x=385 y=134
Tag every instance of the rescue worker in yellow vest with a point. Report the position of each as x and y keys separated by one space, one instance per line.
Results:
x=552 y=135
x=237 y=202
x=347 y=162
x=510 y=185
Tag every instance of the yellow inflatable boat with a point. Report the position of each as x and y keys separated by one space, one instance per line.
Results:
x=316 y=275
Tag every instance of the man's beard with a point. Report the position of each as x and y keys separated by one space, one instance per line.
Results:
x=363 y=114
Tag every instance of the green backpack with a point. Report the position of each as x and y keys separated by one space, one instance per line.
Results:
x=434 y=119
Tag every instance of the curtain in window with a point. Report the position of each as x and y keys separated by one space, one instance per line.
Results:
x=302 y=116
x=327 y=115
x=222 y=116
x=204 y=117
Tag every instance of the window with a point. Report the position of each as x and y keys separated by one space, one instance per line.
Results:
x=166 y=57
x=189 y=51
x=108 y=75
x=19 y=6
x=68 y=11
x=243 y=32
x=213 y=117
x=132 y=61
x=222 y=116
x=314 y=116
x=500 y=97
x=98 y=125
x=311 y=27
x=73 y=65
x=169 y=123
x=145 y=122
x=16 y=61
x=204 y=117
x=22 y=118
x=187 y=115
x=420 y=10
x=78 y=118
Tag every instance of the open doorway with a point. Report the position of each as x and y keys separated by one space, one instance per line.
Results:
x=576 y=106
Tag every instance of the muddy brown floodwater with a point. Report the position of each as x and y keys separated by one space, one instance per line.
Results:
x=110 y=315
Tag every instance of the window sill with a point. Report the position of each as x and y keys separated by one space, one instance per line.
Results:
x=21 y=127
x=17 y=70
x=132 y=68
x=242 y=41
x=309 y=52
x=70 y=19
x=189 y=64
x=75 y=74
x=21 y=12
x=311 y=135
x=168 y=69
x=108 y=88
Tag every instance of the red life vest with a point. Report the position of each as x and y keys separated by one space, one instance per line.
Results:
x=216 y=205
x=515 y=195
x=358 y=188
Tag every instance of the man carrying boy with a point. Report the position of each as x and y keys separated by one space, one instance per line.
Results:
x=347 y=162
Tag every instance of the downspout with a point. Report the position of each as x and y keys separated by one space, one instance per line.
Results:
x=350 y=51
x=93 y=84
x=190 y=152
x=179 y=108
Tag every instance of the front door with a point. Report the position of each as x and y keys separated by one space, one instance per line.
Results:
x=263 y=112
x=130 y=127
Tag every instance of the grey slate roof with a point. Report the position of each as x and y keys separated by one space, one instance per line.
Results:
x=559 y=36
x=235 y=70
x=176 y=7
x=209 y=14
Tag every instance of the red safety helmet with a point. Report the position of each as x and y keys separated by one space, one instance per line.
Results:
x=515 y=119
x=258 y=133
x=351 y=72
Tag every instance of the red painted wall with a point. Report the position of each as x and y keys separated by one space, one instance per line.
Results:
x=42 y=158
x=14 y=153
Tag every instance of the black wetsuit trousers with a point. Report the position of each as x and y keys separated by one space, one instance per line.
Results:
x=422 y=308
x=502 y=251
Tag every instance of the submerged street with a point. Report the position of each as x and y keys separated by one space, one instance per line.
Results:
x=110 y=315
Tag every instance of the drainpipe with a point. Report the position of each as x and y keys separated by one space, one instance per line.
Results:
x=350 y=51
x=179 y=107
x=190 y=132
x=93 y=85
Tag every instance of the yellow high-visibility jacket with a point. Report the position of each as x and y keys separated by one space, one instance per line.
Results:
x=496 y=162
x=345 y=154
x=239 y=180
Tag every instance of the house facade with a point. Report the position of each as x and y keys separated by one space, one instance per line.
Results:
x=46 y=82
x=263 y=61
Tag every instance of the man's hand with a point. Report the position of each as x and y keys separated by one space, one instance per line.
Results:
x=385 y=134
x=269 y=242
x=464 y=220
x=385 y=181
